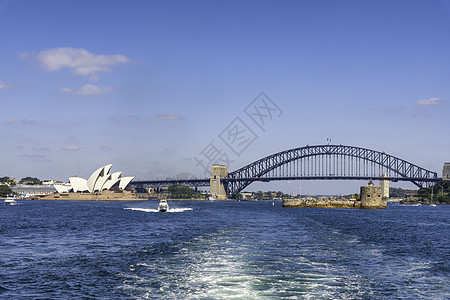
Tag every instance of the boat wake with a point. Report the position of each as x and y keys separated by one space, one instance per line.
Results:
x=151 y=210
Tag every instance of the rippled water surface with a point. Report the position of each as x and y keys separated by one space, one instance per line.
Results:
x=222 y=250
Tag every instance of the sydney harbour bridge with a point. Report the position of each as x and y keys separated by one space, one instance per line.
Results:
x=320 y=162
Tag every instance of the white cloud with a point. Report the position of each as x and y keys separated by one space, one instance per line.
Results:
x=4 y=85
x=431 y=101
x=79 y=61
x=71 y=148
x=87 y=89
x=169 y=116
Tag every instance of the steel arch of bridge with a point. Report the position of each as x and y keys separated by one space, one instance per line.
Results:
x=327 y=162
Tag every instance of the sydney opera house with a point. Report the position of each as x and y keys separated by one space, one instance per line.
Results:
x=101 y=185
x=99 y=181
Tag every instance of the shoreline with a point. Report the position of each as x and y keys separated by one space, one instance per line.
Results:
x=96 y=198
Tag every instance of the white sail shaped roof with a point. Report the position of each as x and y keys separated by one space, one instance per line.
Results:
x=99 y=181
x=95 y=176
x=115 y=177
x=124 y=181
x=62 y=188
x=78 y=184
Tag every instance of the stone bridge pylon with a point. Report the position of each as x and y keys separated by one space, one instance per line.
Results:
x=216 y=185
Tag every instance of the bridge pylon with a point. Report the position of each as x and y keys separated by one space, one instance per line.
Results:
x=446 y=171
x=217 y=188
x=384 y=187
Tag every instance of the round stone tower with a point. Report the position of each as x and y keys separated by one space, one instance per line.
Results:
x=371 y=197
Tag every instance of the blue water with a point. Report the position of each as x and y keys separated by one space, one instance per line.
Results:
x=222 y=250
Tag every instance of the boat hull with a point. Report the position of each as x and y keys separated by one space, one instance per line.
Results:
x=10 y=201
x=163 y=206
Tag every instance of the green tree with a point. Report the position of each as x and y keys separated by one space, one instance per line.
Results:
x=5 y=190
x=440 y=191
x=184 y=192
x=30 y=181
x=399 y=192
x=259 y=195
x=7 y=180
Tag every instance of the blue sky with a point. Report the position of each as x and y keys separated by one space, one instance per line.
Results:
x=148 y=85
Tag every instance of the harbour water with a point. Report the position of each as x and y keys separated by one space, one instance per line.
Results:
x=222 y=250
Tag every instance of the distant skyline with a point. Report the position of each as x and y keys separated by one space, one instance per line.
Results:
x=149 y=85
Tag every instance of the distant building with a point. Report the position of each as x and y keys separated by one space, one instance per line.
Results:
x=26 y=191
x=246 y=195
x=49 y=182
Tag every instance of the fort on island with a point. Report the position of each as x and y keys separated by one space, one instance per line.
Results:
x=370 y=198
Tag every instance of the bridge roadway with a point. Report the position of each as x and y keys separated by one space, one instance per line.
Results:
x=267 y=179
x=206 y=181
x=169 y=182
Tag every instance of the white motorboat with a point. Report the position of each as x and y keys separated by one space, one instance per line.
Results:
x=10 y=200
x=163 y=206
x=432 y=205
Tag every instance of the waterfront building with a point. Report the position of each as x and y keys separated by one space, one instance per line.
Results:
x=99 y=181
x=26 y=191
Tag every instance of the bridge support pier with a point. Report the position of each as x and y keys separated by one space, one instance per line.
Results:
x=216 y=187
x=384 y=187
x=446 y=171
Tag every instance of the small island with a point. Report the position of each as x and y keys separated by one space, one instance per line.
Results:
x=370 y=199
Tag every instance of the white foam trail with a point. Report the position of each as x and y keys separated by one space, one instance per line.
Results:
x=171 y=210
x=142 y=209
x=179 y=209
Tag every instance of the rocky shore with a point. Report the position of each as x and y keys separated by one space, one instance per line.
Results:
x=335 y=203
x=321 y=203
